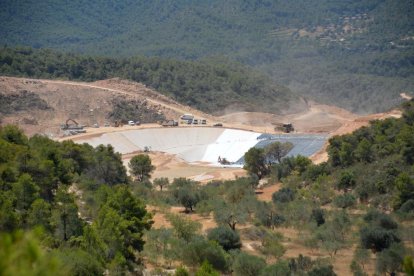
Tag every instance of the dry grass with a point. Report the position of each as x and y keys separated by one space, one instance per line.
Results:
x=265 y=194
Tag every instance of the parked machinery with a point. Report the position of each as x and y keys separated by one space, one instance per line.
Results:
x=71 y=127
x=285 y=127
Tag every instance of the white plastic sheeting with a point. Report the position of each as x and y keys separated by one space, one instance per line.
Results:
x=231 y=144
x=194 y=144
x=198 y=144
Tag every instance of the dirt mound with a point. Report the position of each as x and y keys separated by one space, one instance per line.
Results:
x=316 y=118
x=87 y=103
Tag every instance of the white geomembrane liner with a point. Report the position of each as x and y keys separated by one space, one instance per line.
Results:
x=197 y=144
x=203 y=144
x=231 y=144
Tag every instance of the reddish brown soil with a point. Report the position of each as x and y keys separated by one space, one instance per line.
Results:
x=266 y=193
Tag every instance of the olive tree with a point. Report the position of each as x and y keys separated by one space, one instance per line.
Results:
x=161 y=182
x=226 y=237
x=141 y=166
x=186 y=192
x=255 y=162
x=276 y=151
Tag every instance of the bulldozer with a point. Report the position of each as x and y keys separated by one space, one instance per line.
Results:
x=285 y=127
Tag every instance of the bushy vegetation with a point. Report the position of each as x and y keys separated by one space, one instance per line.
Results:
x=258 y=161
x=125 y=110
x=39 y=181
x=355 y=201
x=24 y=101
x=211 y=86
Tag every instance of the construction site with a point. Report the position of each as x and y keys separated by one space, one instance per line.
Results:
x=182 y=141
x=205 y=145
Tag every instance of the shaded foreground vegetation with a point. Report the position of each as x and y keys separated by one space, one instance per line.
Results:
x=71 y=208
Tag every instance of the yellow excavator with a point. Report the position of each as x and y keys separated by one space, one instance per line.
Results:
x=73 y=126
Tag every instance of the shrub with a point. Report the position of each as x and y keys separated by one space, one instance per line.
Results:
x=345 y=201
x=280 y=268
x=225 y=237
x=322 y=271
x=346 y=181
x=380 y=219
x=248 y=265
x=206 y=269
x=377 y=238
x=200 y=250
x=407 y=207
x=301 y=263
x=284 y=195
x=390 y=260
x=181 y=271
x=319 y=216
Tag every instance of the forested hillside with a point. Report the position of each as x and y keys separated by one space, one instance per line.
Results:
x=214 y=86
x=357 y=54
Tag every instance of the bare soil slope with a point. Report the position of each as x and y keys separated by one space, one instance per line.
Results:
x=317 y=118
x=87 y=103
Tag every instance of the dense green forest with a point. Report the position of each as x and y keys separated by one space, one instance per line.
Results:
x=71 y=209
x=213 y=86
x=38 y=196
x=356 y=54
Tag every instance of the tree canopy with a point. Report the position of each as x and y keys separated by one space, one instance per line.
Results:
x=141 y=166
x=44 y=229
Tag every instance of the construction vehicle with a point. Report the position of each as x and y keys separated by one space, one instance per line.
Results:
x=170 y=123
x=72 y=129
x=223 y=161
x=285 y=127
x=73 y=126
